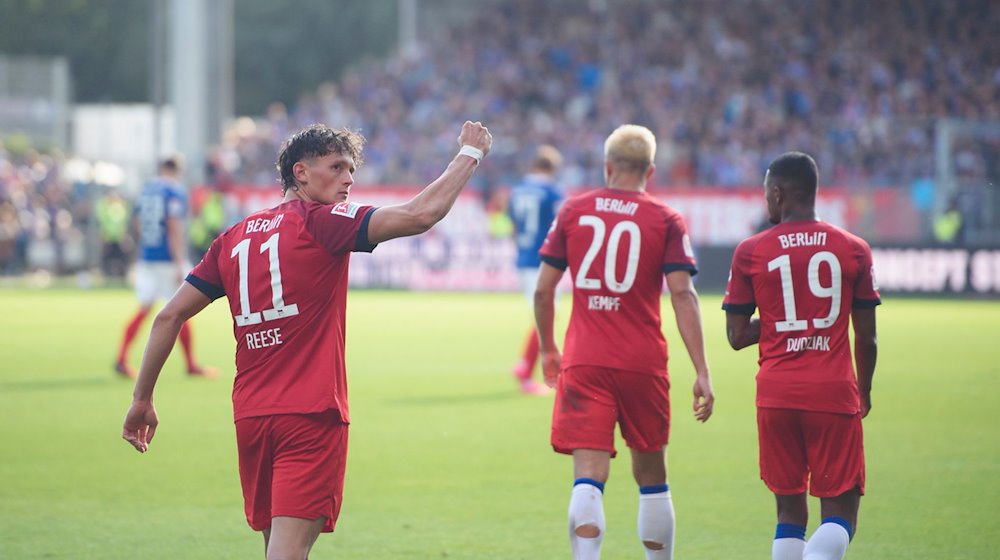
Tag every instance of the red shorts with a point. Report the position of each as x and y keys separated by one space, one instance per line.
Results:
x=590 y=400
x=821 y=450
x=292 y=465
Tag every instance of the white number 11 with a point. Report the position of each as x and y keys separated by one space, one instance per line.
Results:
x=279 y=309
x=784 y=266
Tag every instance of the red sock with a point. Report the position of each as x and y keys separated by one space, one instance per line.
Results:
x=131 y=330
x=530 y=355
x=185 y=338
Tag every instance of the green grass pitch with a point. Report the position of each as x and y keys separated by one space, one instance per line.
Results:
x=447 y=460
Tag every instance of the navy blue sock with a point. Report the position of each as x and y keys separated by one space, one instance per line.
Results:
x=590 y=481
x=790 y=531
x=654 y=489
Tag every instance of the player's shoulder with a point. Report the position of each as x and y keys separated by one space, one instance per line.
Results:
x=662 y=206
x=750 y=244
x=582 y=200
x=847 y=237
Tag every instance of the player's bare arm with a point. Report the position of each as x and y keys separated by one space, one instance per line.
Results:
x=742 y=330
x=687 y=311
x=141 y=420
x=865 y=354
x=545 y=311
x=432 y=204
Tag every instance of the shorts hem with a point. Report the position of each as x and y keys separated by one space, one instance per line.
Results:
x=785 y=491
x=839 y=491
x=570 y=448
x=328 y=525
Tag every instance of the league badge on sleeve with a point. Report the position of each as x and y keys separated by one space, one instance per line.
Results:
x=346 y=209
x=688 y=250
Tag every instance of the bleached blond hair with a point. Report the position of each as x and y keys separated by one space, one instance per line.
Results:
x=631 y=146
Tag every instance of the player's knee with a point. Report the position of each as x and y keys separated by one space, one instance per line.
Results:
x=652 y=545
x=588 y=531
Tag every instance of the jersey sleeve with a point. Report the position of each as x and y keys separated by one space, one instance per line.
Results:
x=341 y=228
x=176 y=204
x=866 y=294
x=553 y=251
x=739 y=297
x=678 y=254
x=205 y=276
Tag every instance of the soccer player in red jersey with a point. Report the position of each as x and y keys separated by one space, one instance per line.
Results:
x=618 y=243
x=284 y=271
x=808 y=279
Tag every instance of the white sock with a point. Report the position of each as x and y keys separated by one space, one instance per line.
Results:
x=586 y=507
x=829 y=542
x=656 y=521
x=789 y=542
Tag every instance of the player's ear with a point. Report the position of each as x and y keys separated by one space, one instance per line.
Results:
x=777 y=195
x=300 y=170
x=649 y=172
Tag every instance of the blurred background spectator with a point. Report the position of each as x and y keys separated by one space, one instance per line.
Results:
x=726 y=85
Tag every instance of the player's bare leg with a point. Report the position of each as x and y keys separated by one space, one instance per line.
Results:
x=656 y=507
x=792 y=508
x=122 y=366
x=840 y=521
x=789 y=535
x=586 y=507
x=291 y=538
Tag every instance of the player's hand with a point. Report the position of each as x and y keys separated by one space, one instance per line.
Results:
x=866 y=405
x=476 y=135
x=551 y=367
x=140 y=425
x=704 y=398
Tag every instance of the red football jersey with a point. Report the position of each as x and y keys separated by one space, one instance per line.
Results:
x=618 y=245
x=805 y=277
x=284 y=271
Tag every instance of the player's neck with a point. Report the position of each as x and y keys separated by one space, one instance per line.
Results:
x=624 y=186
x=799 y=215
x=295 y=194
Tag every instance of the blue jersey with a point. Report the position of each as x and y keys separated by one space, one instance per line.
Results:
x=532 y=207
x=160 y=199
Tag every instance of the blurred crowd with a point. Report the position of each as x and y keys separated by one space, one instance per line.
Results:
x=725 y=84
x=40 y=213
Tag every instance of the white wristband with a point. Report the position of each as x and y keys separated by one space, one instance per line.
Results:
x=471 y=151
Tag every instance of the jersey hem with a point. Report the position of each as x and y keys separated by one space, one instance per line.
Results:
x=277 y=411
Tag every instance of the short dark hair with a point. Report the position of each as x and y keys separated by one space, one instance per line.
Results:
x=317 y=140
x=797 y=170
x=171 y=163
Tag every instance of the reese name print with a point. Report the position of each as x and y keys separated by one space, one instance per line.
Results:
x=262 y=339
